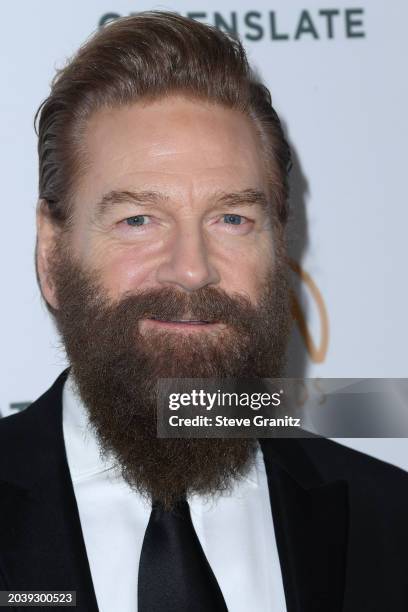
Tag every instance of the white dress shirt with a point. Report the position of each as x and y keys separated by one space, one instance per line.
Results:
x=235 y=529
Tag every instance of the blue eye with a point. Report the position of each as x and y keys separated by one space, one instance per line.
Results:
x=233 y=219
x=136 y=220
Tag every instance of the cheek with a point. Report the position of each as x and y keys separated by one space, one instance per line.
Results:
x=247 y=270
x=124 y=270
x=247 y=279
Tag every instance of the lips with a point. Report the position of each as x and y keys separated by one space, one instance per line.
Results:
x=183 y=325
x=188 y=321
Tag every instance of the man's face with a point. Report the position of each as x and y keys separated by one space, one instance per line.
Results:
x=173 y=268
x=201 y=219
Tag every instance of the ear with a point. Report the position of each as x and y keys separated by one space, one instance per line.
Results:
x=47 y=235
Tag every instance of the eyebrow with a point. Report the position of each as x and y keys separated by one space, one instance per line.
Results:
x=248 y=197
x=125 y=197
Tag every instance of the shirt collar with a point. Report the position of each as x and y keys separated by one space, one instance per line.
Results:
x=81 y=444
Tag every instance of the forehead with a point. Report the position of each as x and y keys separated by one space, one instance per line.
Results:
x=181 y=146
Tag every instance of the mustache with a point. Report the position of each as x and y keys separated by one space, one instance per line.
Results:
x=205 y=304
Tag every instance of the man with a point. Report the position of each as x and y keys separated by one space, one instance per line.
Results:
x=161 y=253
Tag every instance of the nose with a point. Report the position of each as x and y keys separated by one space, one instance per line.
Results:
x=187 y=262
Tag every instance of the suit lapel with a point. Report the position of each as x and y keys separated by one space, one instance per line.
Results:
x=41 y=541
x=311 y=525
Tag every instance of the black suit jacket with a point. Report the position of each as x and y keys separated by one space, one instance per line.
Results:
x=340 y=517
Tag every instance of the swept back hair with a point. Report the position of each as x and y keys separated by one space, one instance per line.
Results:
x=148 y=56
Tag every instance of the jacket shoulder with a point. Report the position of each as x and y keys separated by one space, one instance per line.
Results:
x=334 y=460
x=32 y=432
x=378 y=491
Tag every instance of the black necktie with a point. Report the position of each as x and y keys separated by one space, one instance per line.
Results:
x=174 y=574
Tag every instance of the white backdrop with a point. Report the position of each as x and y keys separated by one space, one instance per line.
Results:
x=337 y=73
